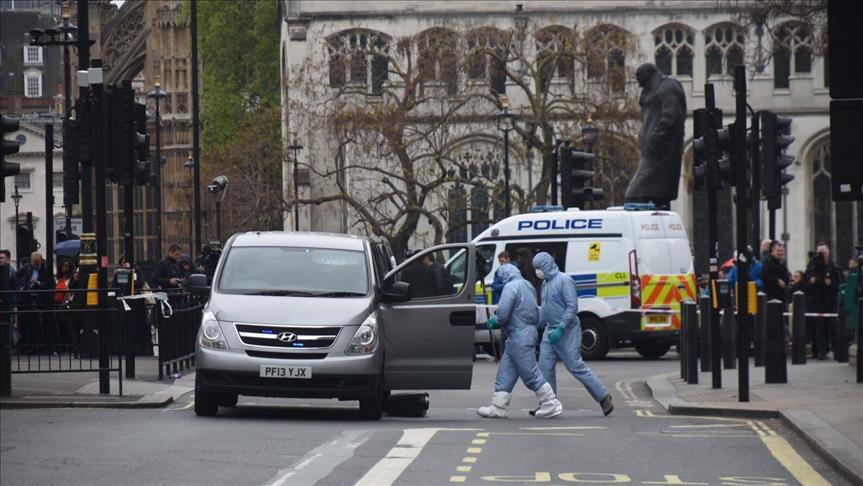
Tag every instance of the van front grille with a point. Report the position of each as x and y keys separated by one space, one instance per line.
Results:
x=287 y=337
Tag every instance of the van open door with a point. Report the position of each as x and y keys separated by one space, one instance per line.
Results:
x=428 y=329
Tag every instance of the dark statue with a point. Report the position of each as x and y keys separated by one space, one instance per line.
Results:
x=663 y=107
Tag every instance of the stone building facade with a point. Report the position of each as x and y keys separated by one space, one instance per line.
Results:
x=694 y=41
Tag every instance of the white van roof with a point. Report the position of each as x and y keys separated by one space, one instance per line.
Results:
x=613 y=222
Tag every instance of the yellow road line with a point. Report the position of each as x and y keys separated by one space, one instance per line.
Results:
x=469 y=460
x=478 y=441
x=474 y=450
x=463 y=468
x=457 y=479
x=706 y=426
x=791 y=460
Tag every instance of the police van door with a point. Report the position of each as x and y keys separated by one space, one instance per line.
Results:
x=428 y=339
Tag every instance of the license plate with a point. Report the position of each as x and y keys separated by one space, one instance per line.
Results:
x=661 y=319
x=295 y=372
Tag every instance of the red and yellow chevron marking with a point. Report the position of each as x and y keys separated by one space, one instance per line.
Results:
x=666 y=292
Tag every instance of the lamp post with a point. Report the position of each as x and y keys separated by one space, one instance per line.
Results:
x=506 y=123
x=219 y=185
x=68 y=32
x=16 y=197
x=156 y=168
x=295 y=148
x=189 y=164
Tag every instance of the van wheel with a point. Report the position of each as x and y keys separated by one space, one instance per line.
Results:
x=651 y=349
x=227 y=400
x=205 y=402
x=594 y=339
x=372 y=408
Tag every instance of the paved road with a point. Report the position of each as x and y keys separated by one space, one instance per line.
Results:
x=293 y=442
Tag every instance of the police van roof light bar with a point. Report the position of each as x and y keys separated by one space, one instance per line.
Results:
x=639 y=207
x=546 y=209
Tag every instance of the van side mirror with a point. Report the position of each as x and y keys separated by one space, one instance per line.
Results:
x=197 y=284
x=397 y=292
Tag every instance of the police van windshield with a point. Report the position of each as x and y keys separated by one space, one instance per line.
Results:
x=291 y=271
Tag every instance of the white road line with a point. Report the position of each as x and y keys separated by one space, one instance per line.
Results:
x=397 y=460
x=707 y=426
x=562 y=428
x=321 y=461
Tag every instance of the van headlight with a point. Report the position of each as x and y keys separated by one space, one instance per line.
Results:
x=365 y=340
x=211 y=332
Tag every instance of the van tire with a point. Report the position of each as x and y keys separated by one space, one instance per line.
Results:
x=205 y=402
x=652 y=349
x=594 y=338
x=372 y=407
x=227 y=400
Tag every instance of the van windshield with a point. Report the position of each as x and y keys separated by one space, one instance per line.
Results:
x=292 y=271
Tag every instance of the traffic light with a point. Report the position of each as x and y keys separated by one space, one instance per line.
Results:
x=576 y=169
x=726 y=166
x=122 y=133
x=71 y=155
x=775 y=138
x=706 y=149
x=9 y=125
x=141 y=145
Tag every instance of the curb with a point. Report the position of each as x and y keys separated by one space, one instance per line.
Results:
x=839 y=451
x=32 y=404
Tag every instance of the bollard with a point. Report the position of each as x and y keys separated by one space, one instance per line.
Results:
x=5 y=359
x=759 y=334
x=689 y=311
x=775 y=370
x=715 y=348
x=681 y=346
x=729 y=339
x=704 y=332
x=798 y=328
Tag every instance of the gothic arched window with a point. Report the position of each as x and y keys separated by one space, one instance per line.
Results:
x=723 y=48
x=555 y=57
x=359 y=58
x=436 y=59
x=840 y=224
x=457 y=214
x=674 y=49
x=792 y=42
x=606 y=46
x=487 y=53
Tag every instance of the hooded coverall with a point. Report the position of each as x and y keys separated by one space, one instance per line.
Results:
x=517 y=312
x=559 y=307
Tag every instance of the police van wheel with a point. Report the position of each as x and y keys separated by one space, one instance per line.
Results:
x=594 y=339
x=651 y=349
x=205 y=402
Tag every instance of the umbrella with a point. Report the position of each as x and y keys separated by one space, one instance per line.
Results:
x=68 y=248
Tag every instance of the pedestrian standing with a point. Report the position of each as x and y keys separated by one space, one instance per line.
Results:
x=823 y=278
x=517 y=312
x=34 y=279
x=497 y=284
x=561 y=340
x=774 y=273
x=9 y=299
x=62 y=303
x=167 y=272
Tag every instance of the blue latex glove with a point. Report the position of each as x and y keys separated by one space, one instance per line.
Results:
x=555 y=335
x=492 y=323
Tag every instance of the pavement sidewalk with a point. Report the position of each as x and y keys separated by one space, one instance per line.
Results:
x=81 y=389
x=821 y=401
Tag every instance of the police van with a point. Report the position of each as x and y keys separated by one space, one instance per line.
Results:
x=632 y=265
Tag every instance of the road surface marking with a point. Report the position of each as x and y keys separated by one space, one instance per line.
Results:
x=479 y=441
x=673 y=479
x=625 y=389
x=469 y=460
x=463 y=468
x=322 y=460
x=397 y=460
x=540 y=434
x=706 y=426
x=562 y=428
x=457 y=479
x=482 y=434
x=474 y=450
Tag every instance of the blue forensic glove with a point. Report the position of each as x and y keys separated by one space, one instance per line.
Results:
x=555 y=335
x=491 y=323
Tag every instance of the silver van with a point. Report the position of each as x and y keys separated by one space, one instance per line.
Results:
x=313 y=315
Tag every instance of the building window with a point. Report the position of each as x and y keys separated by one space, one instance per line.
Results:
x=555 y=55
x=57 y=181
x=32 y=55
x=839 y=224
x=436 y=57
x=606 y=56
x=457 y=214
x=479 y=209
x=486 y=61
x=792 y=44
x=359 y=58
x=724 y=48
x=674 y=50
x=33 y=84
x=22 y=181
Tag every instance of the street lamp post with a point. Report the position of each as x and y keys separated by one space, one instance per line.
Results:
x=219 y=185
x=506 y=123
x=189 y=164
x=295 y=148
x=156 y=168
x=16 y=197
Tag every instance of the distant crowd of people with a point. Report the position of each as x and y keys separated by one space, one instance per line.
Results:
x=828 y=288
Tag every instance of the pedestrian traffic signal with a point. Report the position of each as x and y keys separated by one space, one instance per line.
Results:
x=9 y=125
x=705 y=148
x=775 y=138
x=576 y=170
x=141 y=145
